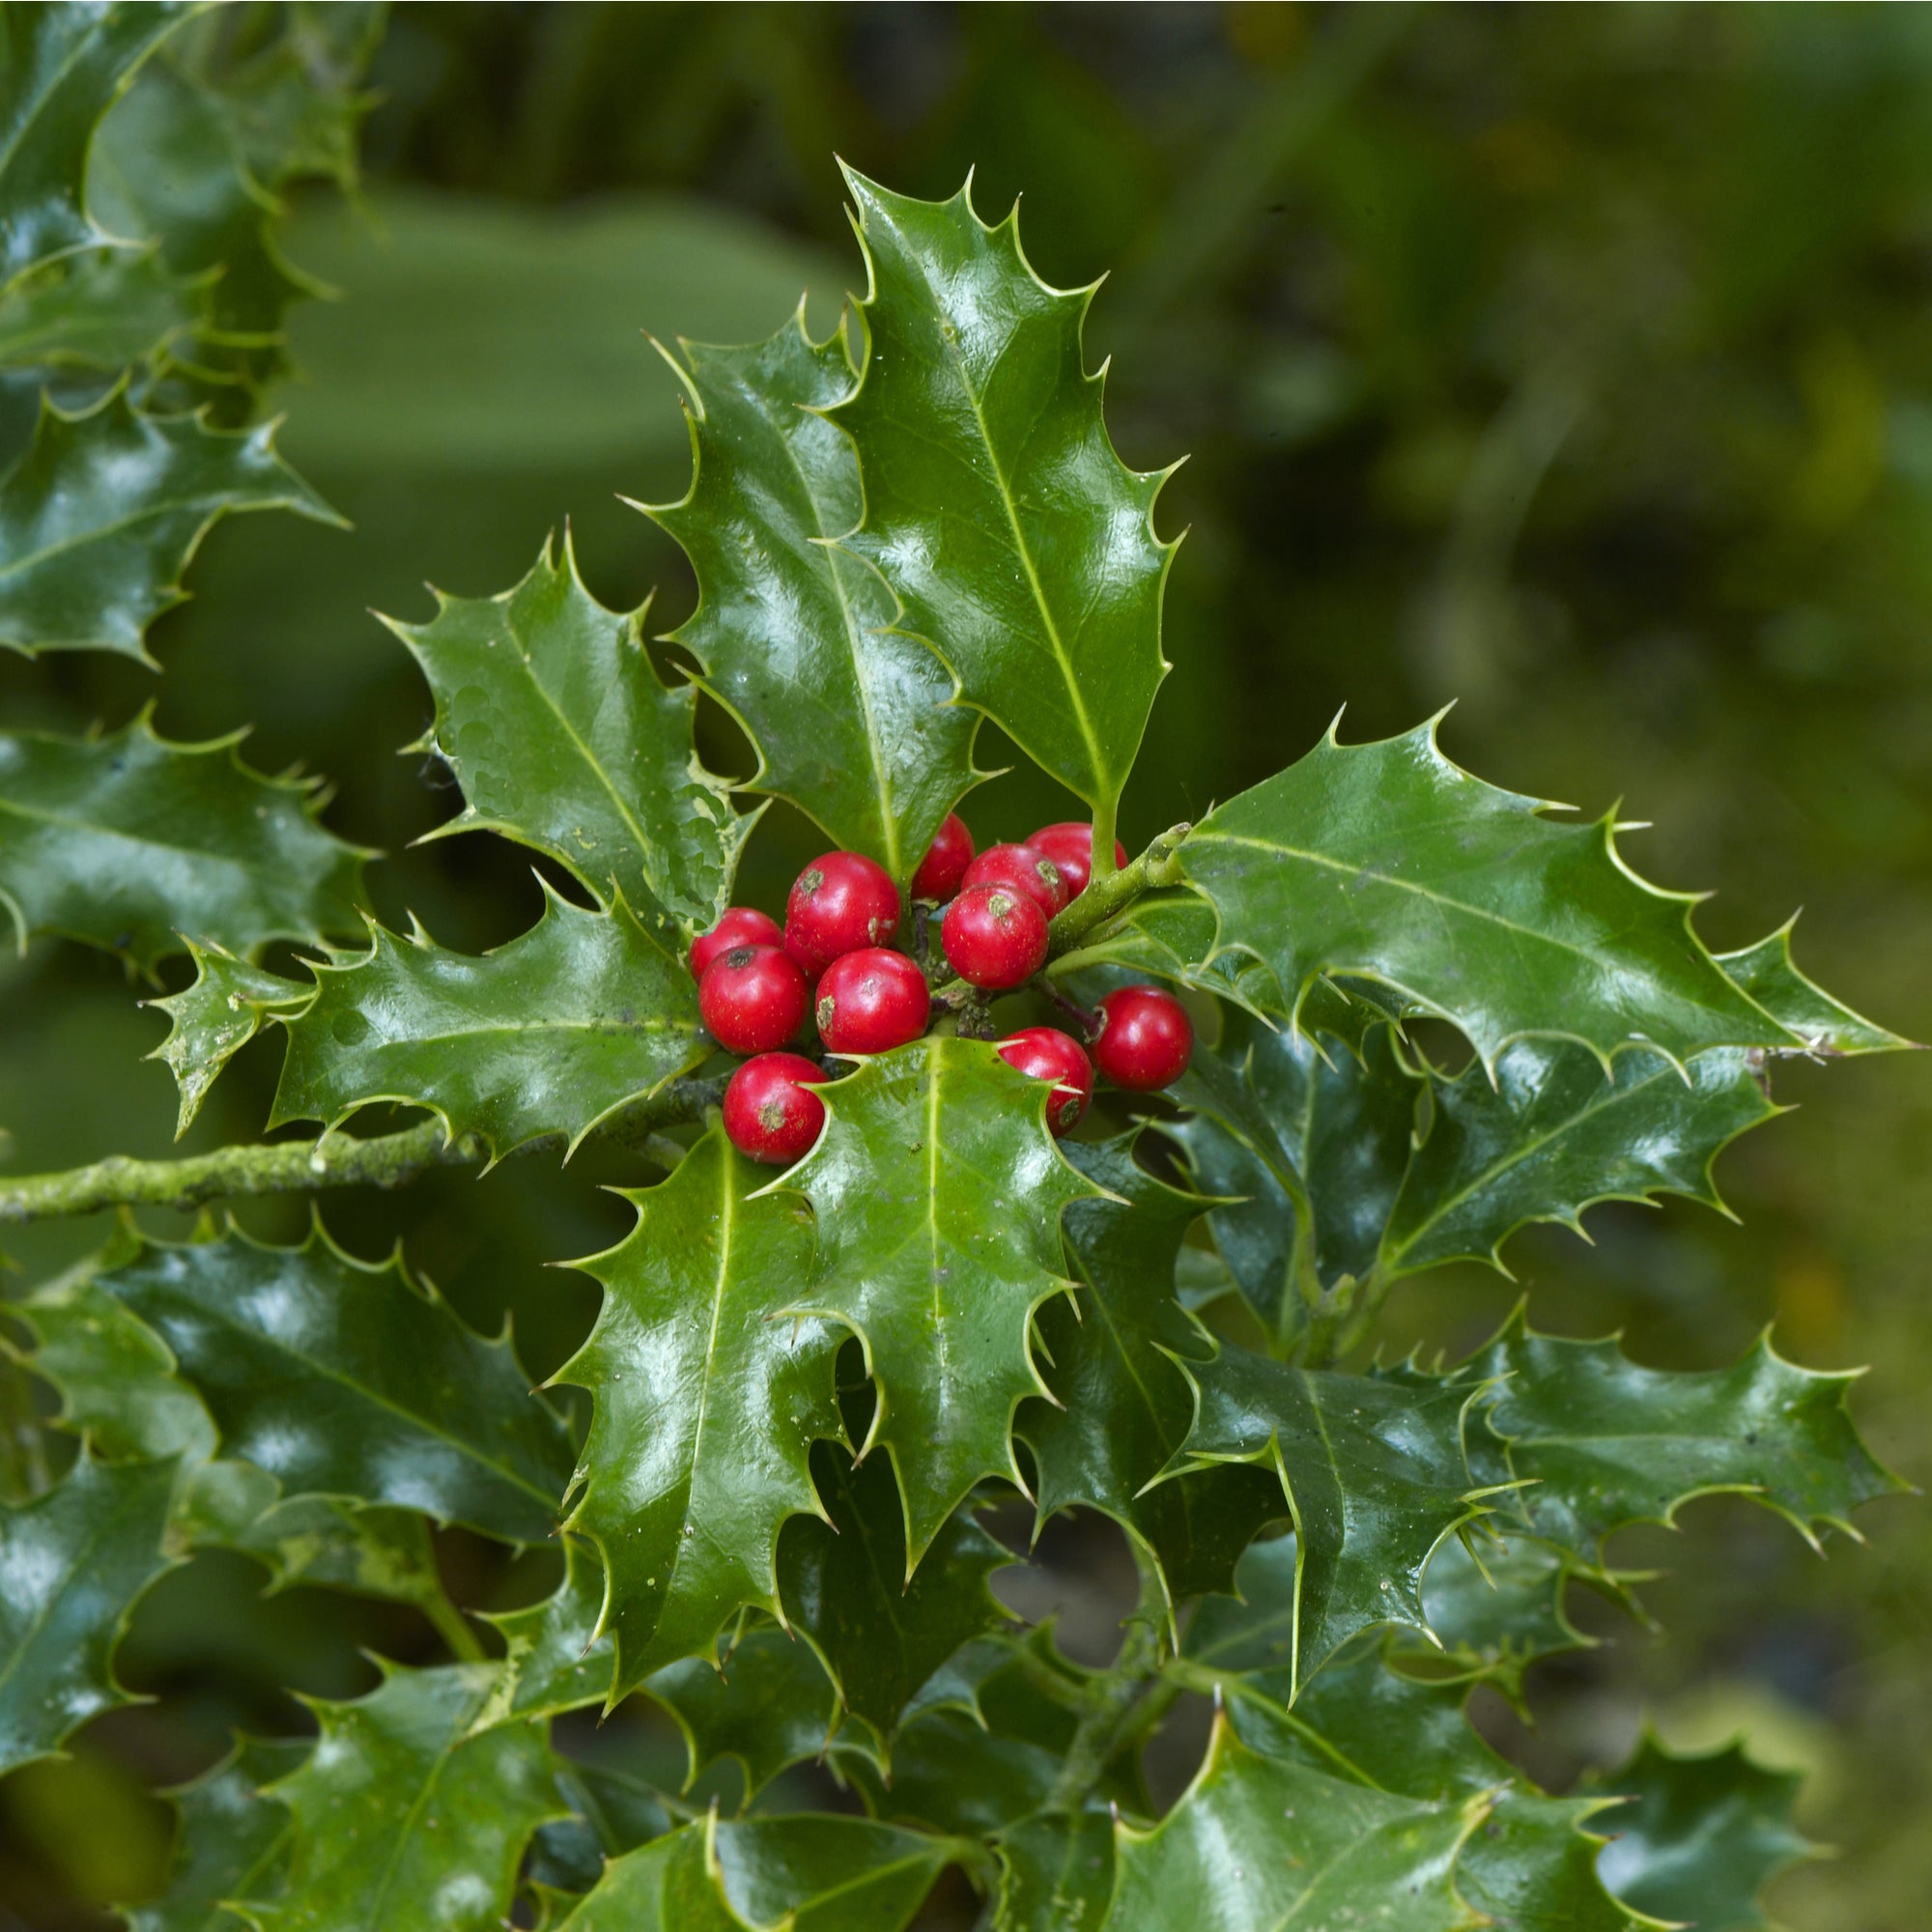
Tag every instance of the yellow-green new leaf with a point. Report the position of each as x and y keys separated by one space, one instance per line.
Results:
x=938 y=1192
x=548 y=1035
x=1387 y=863
x=563 y=737
x=1019 y=545
x=852 y=720
x=709 y=1395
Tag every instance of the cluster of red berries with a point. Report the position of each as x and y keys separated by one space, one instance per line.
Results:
x=833 y=957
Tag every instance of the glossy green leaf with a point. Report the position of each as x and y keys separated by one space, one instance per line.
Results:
x=1496 y=1611
x=72 y=1564
x=883 y=1628
x=1373 y=1475
x=128 y=840
x=351 y=1380
x=1387 y=863
x=708 y=1398
x=852 y=720
x=212 y=1019
x=1701 y=1838
x=402 y=1815
x=1019 y=545
x=613 y=1813
x=767 y=1705
x=1769 y=973
x=60 y=68
x=233 y=1842
x=1307 y=1143
x=938 y=1194
x=553 y=1656
x=670 y=1884
x=1123 y=1409
x=1262 y=1844
x=563 y=737
x=1603 y=1442
x=1055 y=1872
x=102 y=310
x=1554 y=1134
x=1170 y=935
x=549 y=1035
x=101 y=515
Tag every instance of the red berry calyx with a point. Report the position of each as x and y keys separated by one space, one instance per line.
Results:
x=1025 y=869
x=840 y=902
x=994 y=937
x=871 y=1000
x=943 y=866
x=770 y=1113
x=1070 y=845
x=1145 y=1038
x=740 y=925
x=752 y=998
x=1048 y=1054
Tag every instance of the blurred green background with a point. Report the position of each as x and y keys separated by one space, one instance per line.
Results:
x=1572 y=363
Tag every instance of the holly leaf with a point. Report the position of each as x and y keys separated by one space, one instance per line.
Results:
x=64 y=67
x=672 y=1885
x=1603 y=1442
x=102 y=310
x=1496 y=1603
x=212 y=1019
x=707 y=1404
x=553 y=1658
x=1122 y=1412
x=346 y=1378
x=852 y=720
x=1306 y=1144
x=881 y=1626
x=613 y=1813
x=1554 y=1135
x=549 y=1035
x=1769 y=973
x=124 y=841
x=1372 y=1471
x=767 y=1705
x=563 y=738
x=1385 y=861
x=231 y=1842
x=1055 y=1871
x=106 y=509
x=1701 y=1836
x=1262 y=1841
x=1019 y=545
x=402 y=1816
x=71 y=1565
x=937 y=1192
x=1170 y=935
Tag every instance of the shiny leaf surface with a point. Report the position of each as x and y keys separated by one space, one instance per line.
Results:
x=128 y=840
x=938 y=1193
x=402 y=1816
x=101 y=515
x=100 y=310
x=563 y=737
x=347 y=1379
x=1019 y=545
x=852 y=718
x=768 y=1705
x=546 y=1036
x=211 y=1021
x=1386 y=862
x=708 y=1399
x=72 y=1564
x=883 y=1630
x=1769 y=973
x=1125 y=1408
x=1554 y=1135
x=1055 y=1871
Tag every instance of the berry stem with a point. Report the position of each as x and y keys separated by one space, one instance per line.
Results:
x=1088 y=1022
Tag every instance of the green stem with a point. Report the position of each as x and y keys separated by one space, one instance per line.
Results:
x=288 y=1167
x=1112 y=1717
x=1105 y=820
x=452 y=1626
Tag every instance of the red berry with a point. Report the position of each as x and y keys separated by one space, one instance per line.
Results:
x=945 y=863
x=1025 y=869
x=752 y=998
x=1048 y=1054
x=1145 y=1038
x=769 y=1113
x=994 y=937
x=1070 y=845
x=871 y=1000
x=740 y=925
x=839 y=903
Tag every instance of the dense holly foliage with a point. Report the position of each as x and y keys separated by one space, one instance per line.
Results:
x=899 y=1255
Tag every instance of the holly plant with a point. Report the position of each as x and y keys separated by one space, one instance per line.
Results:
x=975 y=1180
